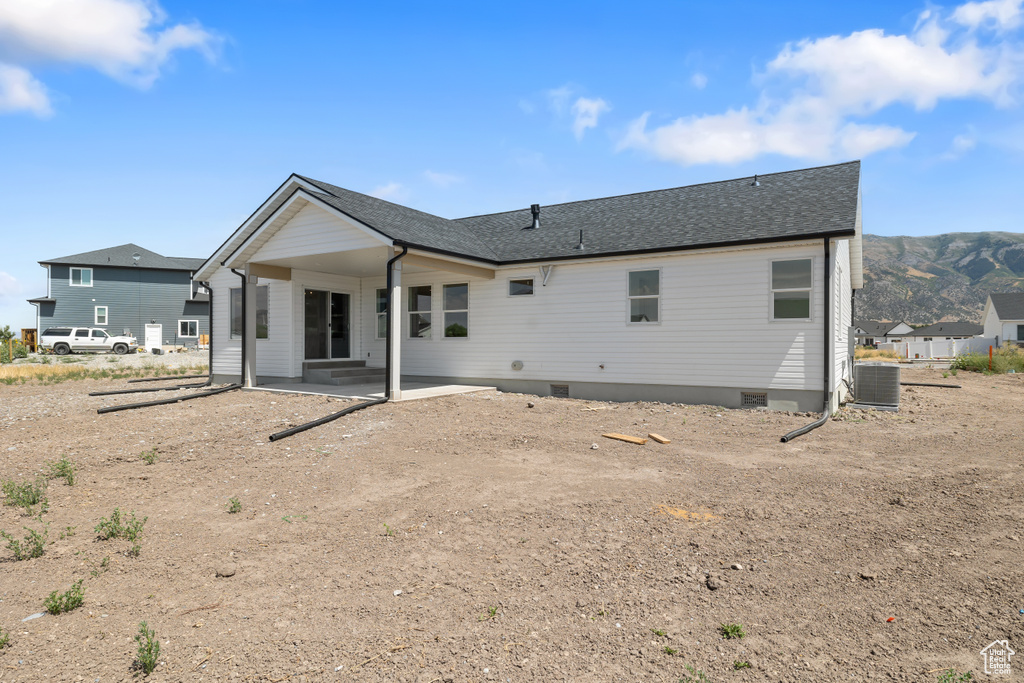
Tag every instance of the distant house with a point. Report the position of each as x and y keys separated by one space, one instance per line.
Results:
x=945 y=332
x=123 y=290
x=1004 y=317
x=871 y=332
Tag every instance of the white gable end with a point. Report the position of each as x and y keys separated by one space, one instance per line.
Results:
x=313 y=230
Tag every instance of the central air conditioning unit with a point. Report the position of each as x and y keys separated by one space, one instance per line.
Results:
x=877 y=384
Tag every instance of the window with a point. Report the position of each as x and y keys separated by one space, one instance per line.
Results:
x=101 y=315
x=81 y=277
x=99 y=334
x=456 y=310
x=419 y=312
x=1020 y=332
x=81 y=334
x=521 y=287
x=262 y=316
x=382 y=313
x=791 y=289
x=644 y=294
x=188 y=328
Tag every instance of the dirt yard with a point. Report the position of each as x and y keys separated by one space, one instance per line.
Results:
x=474 y=538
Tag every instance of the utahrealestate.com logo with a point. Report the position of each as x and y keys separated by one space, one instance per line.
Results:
x=997 y=657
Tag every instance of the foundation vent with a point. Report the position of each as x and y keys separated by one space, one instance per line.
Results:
x=751 y=399
x=560 y=390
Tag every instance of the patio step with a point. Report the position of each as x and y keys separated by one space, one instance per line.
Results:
x=340 y=373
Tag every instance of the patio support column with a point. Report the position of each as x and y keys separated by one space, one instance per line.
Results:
x=395 y=333
x=249 y=335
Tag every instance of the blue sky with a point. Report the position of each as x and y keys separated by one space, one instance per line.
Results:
x=166 y=124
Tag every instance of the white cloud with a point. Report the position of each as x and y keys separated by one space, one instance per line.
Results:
x=9 y=286
x=442 y=179
x=961 y=145
x=389 y=191
x=558 y=98
x=585 y=112
x=1002 y=14
x=829 y=83
x=19 y=91
x=124 y=39
x=699 y=80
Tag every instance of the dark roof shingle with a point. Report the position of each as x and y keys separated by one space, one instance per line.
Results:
x=959 y=328
x=793 y=205
x=1009 y=306
x=123 y=257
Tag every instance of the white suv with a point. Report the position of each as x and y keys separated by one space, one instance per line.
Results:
x=64 y=340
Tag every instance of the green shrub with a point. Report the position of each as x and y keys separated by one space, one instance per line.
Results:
x=1003 y=359
x=148 y=457
x=25 y=495
x=63 y=469
x=58 y=603
x=118 y=527
x=149 y=650
x=33 y=544
x=730 y=631
x=19 y=352
x=5 y=639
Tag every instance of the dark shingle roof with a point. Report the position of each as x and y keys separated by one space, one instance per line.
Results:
x=873 y=328
x=1008 y=306
x=953 y=329
x=809 y=203
x=123 y=257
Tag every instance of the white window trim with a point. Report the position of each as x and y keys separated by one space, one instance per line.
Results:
x=455 y=310
x=188 y=336
x=96 y=316
x=661 y=286
x=409 y=312
x=71 y=279
x=810 y=291
x=377 y=316
x=508 y=287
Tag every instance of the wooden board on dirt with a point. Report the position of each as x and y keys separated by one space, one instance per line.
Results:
x=623 y=437
x=659 y=438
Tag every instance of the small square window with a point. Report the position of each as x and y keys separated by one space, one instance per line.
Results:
x=188 y=328
x=101 y=315
x=521 y=287
x=81 y=277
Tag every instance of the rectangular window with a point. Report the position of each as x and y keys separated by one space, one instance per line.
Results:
x=456 y=310
x=188 y=328
x=419 y=312
x=644 y=295
x=382 y=313
x=1020 y=332
x=101 y=315
x=791 y=289
x=521 y=287
x=99 y=334
x=262 y=313
x=81 y=277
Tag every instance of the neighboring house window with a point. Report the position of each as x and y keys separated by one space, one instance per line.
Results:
x=188 y=328
x=644 y=295
x=419 y=312
x=262 y=313
x=929 y=338
x=456 y=310
x=81 y=277
x=101 y=315
x=521 y=287
x=382 y=313
x=1020 y=332
x=791 y=289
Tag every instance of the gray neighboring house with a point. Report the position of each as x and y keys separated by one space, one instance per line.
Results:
x=873 y=332
x=945 y=331
x=122 y=290
x=1003 y=318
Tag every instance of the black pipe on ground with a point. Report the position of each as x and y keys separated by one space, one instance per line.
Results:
x=143 y=391
x=827 y=296
x=324 y=420
x=168 y=401
x=926 y=384
x=160 y=379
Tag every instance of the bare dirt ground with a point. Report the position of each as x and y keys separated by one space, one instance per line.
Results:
x=881 y=546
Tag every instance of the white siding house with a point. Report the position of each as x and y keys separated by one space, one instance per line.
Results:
x=1003 y=318
x=734 y=293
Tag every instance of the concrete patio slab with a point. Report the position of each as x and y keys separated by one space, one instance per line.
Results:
x=411 y=391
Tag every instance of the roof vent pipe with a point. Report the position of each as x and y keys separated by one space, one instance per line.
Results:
x=755 y=183
x=535 y=210
x=579 y=247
